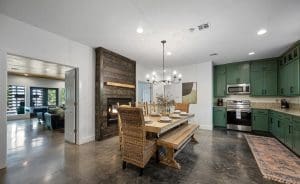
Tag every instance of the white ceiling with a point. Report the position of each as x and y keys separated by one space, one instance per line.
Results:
x=36 y=68
x=113 y=23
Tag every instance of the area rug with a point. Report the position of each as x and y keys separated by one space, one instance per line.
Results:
x=274 y=160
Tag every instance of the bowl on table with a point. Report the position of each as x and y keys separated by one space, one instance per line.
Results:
x=177 y=112
x=183 y=114
x=154 y=114
x=175 y=116
x=165 y=119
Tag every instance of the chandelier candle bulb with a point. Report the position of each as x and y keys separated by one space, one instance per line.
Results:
x=174 y=72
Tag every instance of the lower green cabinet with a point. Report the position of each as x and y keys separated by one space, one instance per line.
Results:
x=219 y=117
x=260 y=120
x=296 y=135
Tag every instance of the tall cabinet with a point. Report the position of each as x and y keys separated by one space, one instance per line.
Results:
x=220 y=81
x=263 y=77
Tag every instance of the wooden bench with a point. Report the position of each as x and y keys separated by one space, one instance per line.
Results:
x=174 y=141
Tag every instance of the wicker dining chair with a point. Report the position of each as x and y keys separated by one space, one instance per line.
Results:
x=182 y=107
x=120 y=126
x=136 y=149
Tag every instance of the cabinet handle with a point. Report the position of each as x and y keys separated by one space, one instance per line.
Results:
x=292 y=89
x=265 y=91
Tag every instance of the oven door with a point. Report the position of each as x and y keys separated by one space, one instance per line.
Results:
x=242 y=122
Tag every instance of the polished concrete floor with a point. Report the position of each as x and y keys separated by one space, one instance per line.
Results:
x=36 y=155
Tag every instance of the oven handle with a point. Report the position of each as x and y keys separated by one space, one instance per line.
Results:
x=234 y=110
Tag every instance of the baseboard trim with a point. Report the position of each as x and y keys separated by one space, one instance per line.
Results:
x=85 y=140
x=206 y=127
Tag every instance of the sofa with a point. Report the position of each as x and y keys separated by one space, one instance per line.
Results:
x=55 y=118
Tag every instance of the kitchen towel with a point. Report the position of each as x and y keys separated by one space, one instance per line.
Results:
x=238 y=113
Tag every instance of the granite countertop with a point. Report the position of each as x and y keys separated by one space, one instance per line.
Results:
x=287 y=111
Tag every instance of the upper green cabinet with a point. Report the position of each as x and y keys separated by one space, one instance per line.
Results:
x=238 y=73
x=220 y=81
x=263 y=78
x=289 y=73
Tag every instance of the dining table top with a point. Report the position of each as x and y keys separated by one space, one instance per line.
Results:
x=154 y=125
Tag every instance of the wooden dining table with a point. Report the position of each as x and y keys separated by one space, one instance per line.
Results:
x=158 y=127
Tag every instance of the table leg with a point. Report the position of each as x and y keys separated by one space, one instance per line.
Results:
x=194 y=140
x=169 y=159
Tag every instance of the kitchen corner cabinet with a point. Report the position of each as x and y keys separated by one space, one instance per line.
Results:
x=286 y=128
x=260 y=120
x=220 y=81
x=238 y=73
x=263 y=78
x=219 y=117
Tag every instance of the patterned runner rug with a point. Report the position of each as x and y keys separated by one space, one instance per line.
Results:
x=274 y=160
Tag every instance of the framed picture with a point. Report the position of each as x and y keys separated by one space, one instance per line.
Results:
x=189 y=92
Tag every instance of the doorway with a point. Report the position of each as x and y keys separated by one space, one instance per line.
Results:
x=42 y=99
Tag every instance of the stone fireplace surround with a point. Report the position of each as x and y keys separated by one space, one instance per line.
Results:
x=111 y=67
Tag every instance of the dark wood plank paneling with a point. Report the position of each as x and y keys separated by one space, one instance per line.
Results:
x=111 y=67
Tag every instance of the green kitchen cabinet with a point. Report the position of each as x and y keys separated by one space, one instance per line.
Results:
x=220 y=81
x=293 y=78
x=260 y=120
x=238 y=73
x=289 y=134
x=296 y=135
x=263 y=78
x=289 y=73
x=219 y=116
x=272 y=121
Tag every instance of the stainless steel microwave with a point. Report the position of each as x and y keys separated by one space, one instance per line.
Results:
x=238 y=89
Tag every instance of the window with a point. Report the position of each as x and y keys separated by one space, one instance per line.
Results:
x=43 y=96
x=15 y=99
x=52 y=97
x=145 y=91
x=62 y=96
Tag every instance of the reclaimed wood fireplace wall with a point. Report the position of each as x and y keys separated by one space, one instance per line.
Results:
x=115 y=78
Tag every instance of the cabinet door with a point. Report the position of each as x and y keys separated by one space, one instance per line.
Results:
x=257 y=83
x=281 y=81
x=232 y=73
x=270 y=82
x=294 y=77
x=244 y=74
x=289 y=135
x=219 y=117
x=282 y=130
x=296 y=136
x=220 y=81
x=260 y=122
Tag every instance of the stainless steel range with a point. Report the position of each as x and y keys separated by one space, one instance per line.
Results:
x=239 y=115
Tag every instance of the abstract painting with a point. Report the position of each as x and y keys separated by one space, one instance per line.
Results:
x=189 y=92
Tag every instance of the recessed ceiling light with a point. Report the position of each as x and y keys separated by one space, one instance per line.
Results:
x=25 y=74
x=262 y=32
x=169 y=53
x=139 y=30
x=251 y=53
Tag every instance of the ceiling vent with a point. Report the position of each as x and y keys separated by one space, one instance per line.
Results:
x=203 y=26
x=213 y=54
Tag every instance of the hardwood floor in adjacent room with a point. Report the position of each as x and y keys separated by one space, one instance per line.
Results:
x=37 y=155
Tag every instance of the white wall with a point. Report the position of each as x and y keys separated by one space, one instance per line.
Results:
x=3 y=82
x=202 y=74
x=23 y=39
x=34 y=82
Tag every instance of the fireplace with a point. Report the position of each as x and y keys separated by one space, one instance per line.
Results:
x=112 y=106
